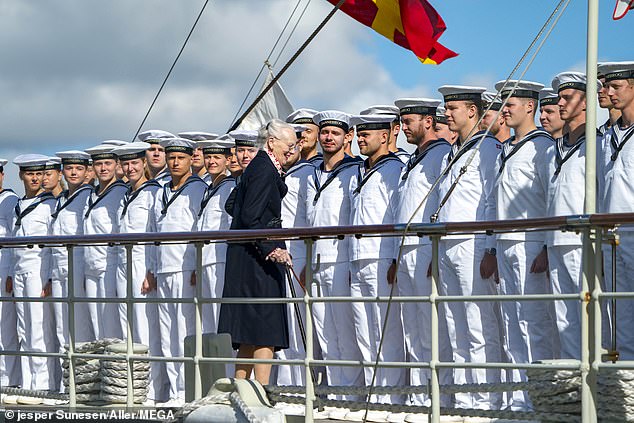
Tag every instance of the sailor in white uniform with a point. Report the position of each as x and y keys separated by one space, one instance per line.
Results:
x=395 y=128
x=155 y=155
x=418 y=120
x=442 y=128
x=308 y=136
x=30 y=273
x=100 y=217
x=549 y=117
x=618 y=196
x=328 y=204
x=213 y=217
x=604 y=101
x=246 y=146
x=521 y=191
x=176 y=209
x=473 y=327
x=198 y=159
x=373 y=195
x=67 y=219
x=9 y=365
x=568 y=198
x=134 y=216
x=493 y=120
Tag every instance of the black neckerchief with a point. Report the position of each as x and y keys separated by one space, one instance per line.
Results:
x=130 y=196
x=416 y=158
x=616 y=145
x=383 y=160
x=64 y=199
x=345 y=163
x=211 y=191
x=39 y=199
x=300 y=164
x=458 y=151
x=514 y=148
x=166 y=201
x=562 y=156
x=92 y=204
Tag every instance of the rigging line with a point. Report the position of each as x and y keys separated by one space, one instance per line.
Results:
x=288 y=64
x=292 y=31
x=171 y=69
x=246 y=97
x=563 y=4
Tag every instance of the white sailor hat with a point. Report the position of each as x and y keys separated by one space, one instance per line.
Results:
x=371 y=122
x=332 y=118
x=574 y=80
x=178 y=145
x=461 y=93
x=3 y=163
x=517 y=88
x=116 y=143
x=53 y=163
x=153 y=136
x=31 y=162
x=419 y=106
x=440 y=115
x=491 y=101
x=74 y=157
x=381 y=109
x=548 y=97
x=299 y=128
x=217 y=146
x=302 y=116
x=244 y=137
x=612 y=71
x=102 y=151
x=197 y=136
x=131 y=151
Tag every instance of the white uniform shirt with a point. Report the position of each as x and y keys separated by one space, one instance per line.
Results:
x=67 y=219
x=32 y=217
x=100 y=217
x=163 y=177
x=135 y=216
x=618 y=170
x=567 y=187
x=523 y=172
x=473 y=198
x=294 y=203
x=417 y=178
x=373 y=195
x=214 y=217
x=8 y=200
x=177 y=211
x=328 y=204
x=403 y=155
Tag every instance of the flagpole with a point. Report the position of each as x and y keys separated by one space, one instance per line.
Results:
x=588 y=356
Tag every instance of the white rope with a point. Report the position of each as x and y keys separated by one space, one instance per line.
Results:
x=243 y=407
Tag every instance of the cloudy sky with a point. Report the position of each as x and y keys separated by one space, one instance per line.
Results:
x=75 y=72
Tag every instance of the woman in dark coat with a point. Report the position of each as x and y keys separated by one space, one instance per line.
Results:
x=255 y=269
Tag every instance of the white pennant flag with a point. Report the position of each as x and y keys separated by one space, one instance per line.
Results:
x=273 y=105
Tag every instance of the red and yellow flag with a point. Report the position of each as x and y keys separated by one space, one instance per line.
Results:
x=412 y=24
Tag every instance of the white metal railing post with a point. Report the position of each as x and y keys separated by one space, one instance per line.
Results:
x=310 y=389
x=588 y=377
x=70 y=303
x=129 y=328
x=198 y=386
x=433 y=297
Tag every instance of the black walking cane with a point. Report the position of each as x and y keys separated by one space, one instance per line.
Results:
x=302 y=331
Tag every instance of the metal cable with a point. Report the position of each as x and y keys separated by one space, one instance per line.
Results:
x=291 y=34
x=170 y=70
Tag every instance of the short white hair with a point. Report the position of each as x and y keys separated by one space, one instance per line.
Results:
x=274 y=128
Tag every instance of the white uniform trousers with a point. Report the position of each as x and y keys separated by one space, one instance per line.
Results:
x=31 y=331
x=293 y=375
x=473 y=326
x=213 y=281
x=104 y=316
x=83 y=324
x=10 y=374
x=369 y=279
x=145 y=330
x=565 y=266
x=412 y=280
x=334 y=326
x=176 y=322
x=624 y=283
x=529 y=326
